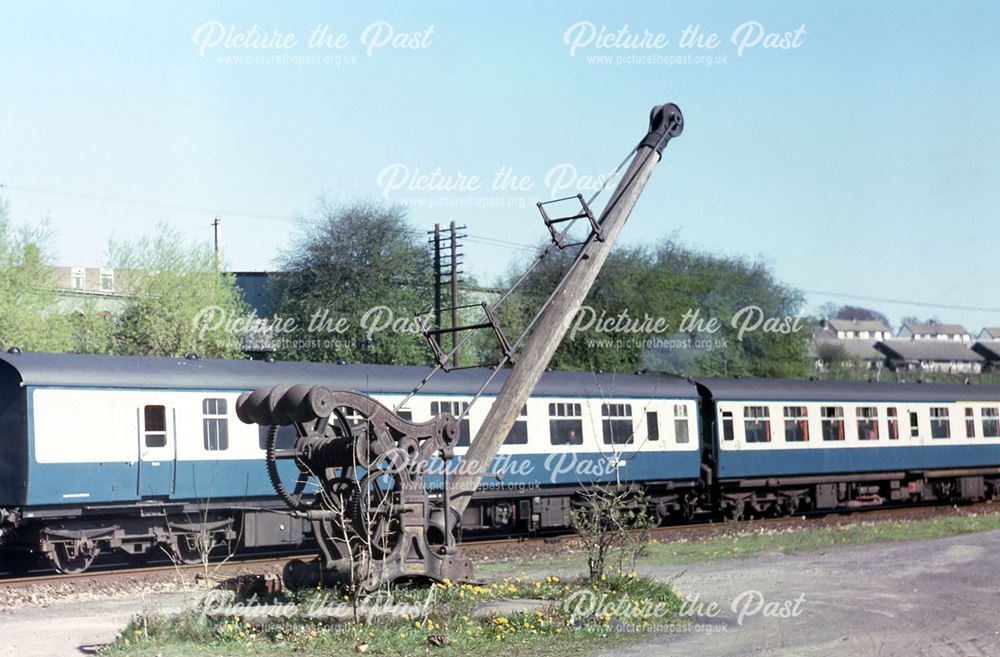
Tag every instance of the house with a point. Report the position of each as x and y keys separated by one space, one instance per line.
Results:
x=85 y=279
x=934 y=331
x=988 y=334
x=89 y=290
x=926 y=355
x=827 y=353
x=854 y=329
x=990 y=350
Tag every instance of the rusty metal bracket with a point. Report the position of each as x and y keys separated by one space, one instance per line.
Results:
x=443 y=358
x=559 y=237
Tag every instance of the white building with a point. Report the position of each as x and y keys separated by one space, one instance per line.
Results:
x=854 y=329
x=934 y=331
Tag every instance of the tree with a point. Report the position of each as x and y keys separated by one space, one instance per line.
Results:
x=176 y=301
x=860 y=314
x=29 y=310
x=640 y=286
x=353 y=283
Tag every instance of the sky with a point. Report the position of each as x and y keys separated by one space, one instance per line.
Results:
x=850 y=146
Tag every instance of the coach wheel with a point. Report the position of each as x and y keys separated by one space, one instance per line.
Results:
x=737 y=510
x=190 y=549
x=72 y=557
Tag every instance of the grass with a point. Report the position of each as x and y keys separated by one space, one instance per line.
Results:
x=448 y=627
x=789 y=541
x=553 y=630
x=751 y=539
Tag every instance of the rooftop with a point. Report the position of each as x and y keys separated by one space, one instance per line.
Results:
x=927 y=350
x=934 y=328
x=870 y=325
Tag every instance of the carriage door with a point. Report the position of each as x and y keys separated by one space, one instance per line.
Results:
x=156 y=450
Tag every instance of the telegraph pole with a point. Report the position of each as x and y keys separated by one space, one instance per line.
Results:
x=447 y=258
x=437 y=276
x=665 y=122
x=218 y=260
x=457 y=360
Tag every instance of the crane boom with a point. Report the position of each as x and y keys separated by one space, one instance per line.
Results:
x=665 y=123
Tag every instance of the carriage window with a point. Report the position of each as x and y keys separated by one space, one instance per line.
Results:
x=727 y=425
x=616 y=423
x=940 y=426
x=215 y=424
x=796 y=424
x=970 y=423
x=518 y=434
x=565 y=424
x=284 y=440
x=652 y=425
x=456 y=408
x=681 y=423
x=757 y=424
x=155 y=426
x=867 y=423
x=832 y=422
x=914 y=425
x=991 y=422
x=893 y=423
x=405 y=415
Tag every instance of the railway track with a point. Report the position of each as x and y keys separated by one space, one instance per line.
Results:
x=500 y=547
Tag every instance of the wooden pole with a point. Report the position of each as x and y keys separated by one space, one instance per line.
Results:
x=456 y=360
x=666 y=122
x=437 y=276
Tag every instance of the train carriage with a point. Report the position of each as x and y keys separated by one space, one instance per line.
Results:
x=792 y=445
x=132 y=453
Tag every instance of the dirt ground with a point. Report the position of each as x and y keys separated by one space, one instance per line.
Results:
x=920 y=598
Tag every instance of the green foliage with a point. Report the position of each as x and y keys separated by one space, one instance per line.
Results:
x=93 y=331
x=572 y=617
x=355 y=269
x=29 y=318
x=613 y=525
x=667 y=281
x=167 y=284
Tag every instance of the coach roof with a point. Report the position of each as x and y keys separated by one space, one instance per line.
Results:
x=75 y=370
x=845 y=391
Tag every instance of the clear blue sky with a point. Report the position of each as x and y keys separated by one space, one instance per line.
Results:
x=864 y=161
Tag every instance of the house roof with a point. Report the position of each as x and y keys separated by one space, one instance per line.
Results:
x=988 y=350
x=863 y=349
x=927 y=350
x=870 y=325
x=992 y=331
x=933 y=328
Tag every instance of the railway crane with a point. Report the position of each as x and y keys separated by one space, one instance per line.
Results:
x=384 y=495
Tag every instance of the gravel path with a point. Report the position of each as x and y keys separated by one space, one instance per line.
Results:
x=920 y=598
x=69 y=628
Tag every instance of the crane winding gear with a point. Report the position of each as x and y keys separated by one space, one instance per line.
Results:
x=366 y=481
